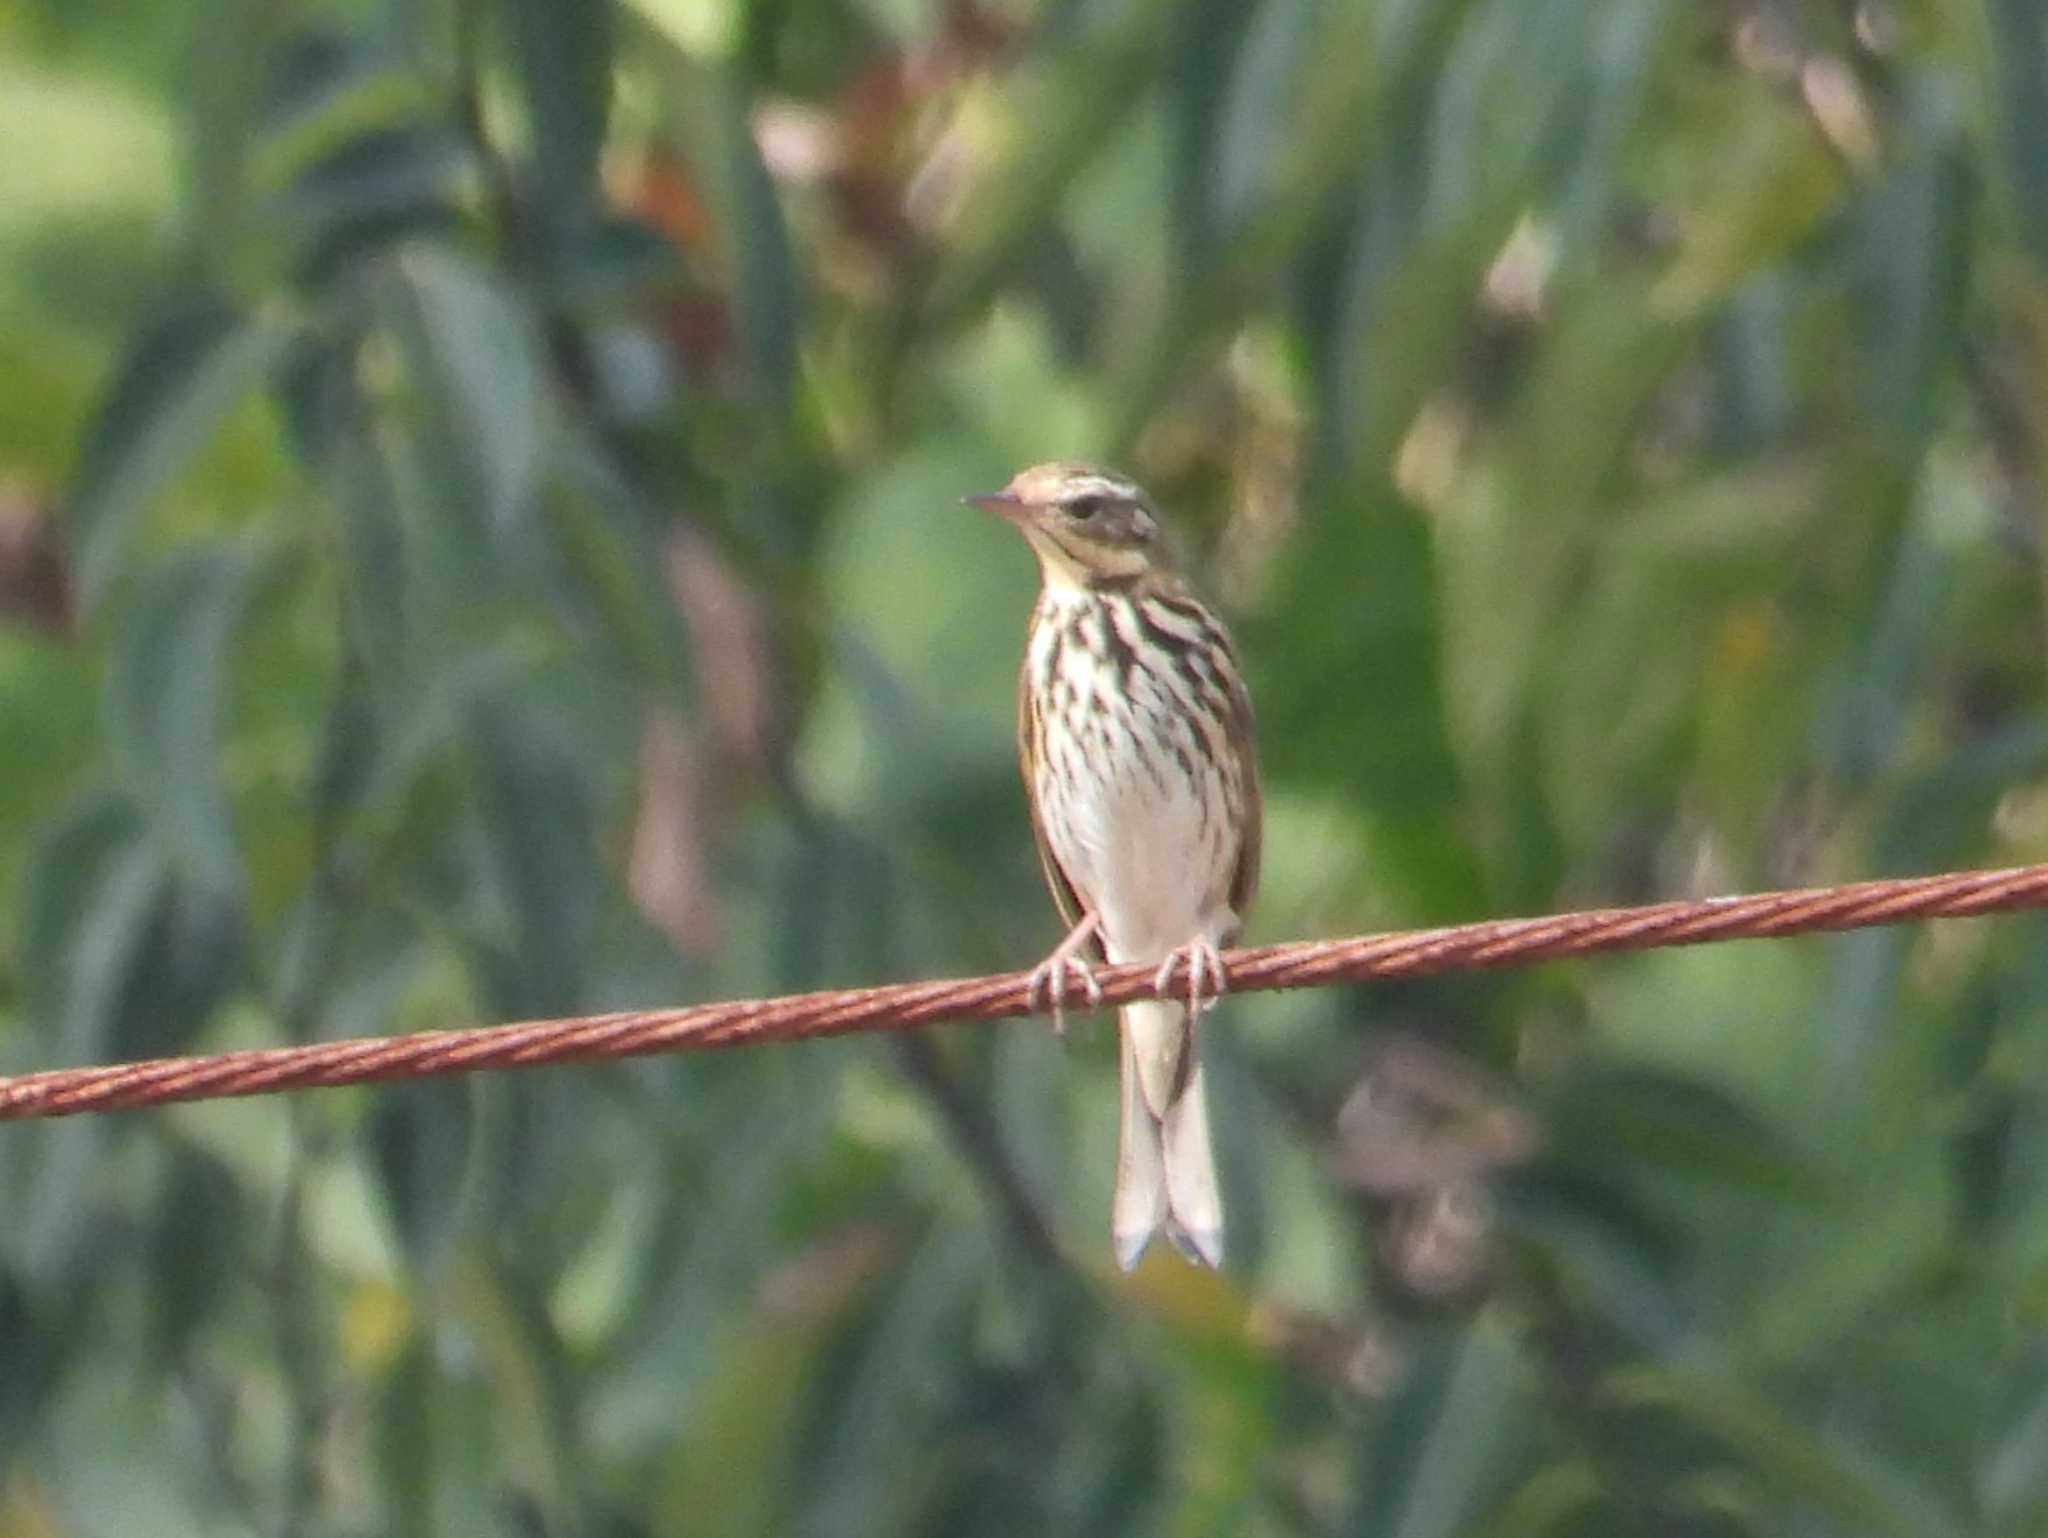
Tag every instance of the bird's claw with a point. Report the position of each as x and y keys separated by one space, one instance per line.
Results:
x=1207 y=980
x=1050 y=982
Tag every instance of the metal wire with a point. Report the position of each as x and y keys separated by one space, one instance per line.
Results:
x=798 y=1017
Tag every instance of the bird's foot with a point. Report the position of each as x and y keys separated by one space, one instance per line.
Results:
x=1052 y=978
x=1207 y=980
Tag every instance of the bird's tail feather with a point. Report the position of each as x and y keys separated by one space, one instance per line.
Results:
x=1140 y=1204
x=1166 y=1170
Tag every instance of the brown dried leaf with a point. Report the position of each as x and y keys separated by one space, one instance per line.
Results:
x=691 y=771
x=35 y=579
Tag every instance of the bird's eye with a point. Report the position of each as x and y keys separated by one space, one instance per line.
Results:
x=1086 y=507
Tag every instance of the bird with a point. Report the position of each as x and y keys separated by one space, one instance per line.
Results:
x=1135 y=733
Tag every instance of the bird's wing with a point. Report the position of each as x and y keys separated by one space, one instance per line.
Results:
x=1244 y=880
x=1064 y=896
x=1244 y=875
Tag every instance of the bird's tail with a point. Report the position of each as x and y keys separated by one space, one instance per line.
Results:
x=1165 y=1171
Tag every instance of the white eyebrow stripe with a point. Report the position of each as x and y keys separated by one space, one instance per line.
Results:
x=1099 y=486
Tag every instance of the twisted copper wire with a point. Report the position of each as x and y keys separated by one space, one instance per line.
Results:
x=1303 y=964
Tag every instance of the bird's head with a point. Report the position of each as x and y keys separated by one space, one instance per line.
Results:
x=1089 y=527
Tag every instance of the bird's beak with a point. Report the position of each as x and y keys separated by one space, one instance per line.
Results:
x=1004 y=504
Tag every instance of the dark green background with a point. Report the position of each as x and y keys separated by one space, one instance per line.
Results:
x=479 y=539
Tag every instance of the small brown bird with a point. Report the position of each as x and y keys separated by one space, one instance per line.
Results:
x=1135 y=731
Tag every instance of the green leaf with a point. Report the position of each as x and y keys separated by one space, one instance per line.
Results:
x=166 y=697
x=477 y=349
x=374 y=190
x=2020 y=109
x=1945 y=817
x=1655 y=1119
x=1358 y=582
x=95 y=889
x=1915 y=241
x=1784 y=1452
x=421 y=1141
x=1867 y=714
x=564 y=58
x=1834 y=1277
x=382 y=582
x=1639 y=680
x=1240 y=130
x=613 y=567
x=1446 y=1442
x=875 y=1465
x=1049 y=121
x=1766 y=179
x=766 y=301
x=195 y=1249
x=1513 y=576
x=196 y=956
x=1736 y=1021
x=241 y=41
x=408 y=1455
x=354 y=150
x=1208 y=45
x=49 y=696
x=715 y=107
x=1514 y=557
x=32 y=1348
x=124 y=958
x=2015 y=1474
x=1556 y=1499
x=1606 y=1254
x=540 y=856
x=1359 y=73
x=1405 y=316
x=191 y=361
x=732 y=1472
x=532 y=1411
x=94 y=930
x=331 y=92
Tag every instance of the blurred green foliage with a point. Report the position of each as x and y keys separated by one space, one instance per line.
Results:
x=479 y=539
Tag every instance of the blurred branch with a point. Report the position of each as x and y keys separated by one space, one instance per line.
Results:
x=975 y=1136
x=798 y=1017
